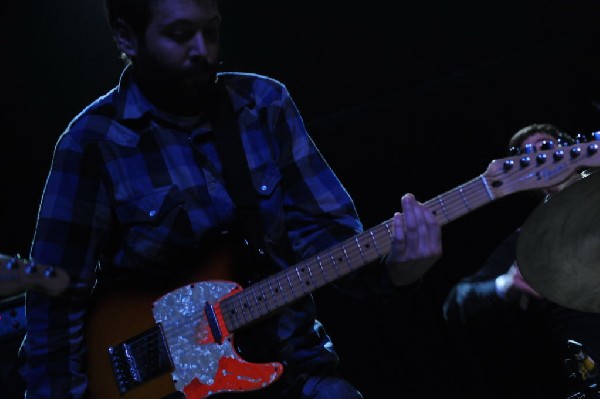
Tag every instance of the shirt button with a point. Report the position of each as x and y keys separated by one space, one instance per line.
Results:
x=263 y=188
x=152 y=213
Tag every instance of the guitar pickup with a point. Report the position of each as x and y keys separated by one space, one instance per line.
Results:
x=140 y=359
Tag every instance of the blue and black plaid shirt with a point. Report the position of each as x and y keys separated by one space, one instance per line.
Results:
x=131 y=187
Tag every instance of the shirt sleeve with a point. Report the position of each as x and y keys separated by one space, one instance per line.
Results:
x=72 y=218
x=320 y=212
x=475 y=296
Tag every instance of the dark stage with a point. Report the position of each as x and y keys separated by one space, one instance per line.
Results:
x=400 y=97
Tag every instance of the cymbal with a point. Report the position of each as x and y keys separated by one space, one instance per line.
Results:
x=558 y=250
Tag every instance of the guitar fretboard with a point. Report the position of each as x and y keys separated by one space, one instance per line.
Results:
x=503 y=177
x=291 y=284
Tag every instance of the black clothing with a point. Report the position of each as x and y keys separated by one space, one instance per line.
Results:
x=513 y=350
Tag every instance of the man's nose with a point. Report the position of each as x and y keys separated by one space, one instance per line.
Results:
x=198 y=46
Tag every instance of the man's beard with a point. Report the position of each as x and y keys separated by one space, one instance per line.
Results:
x=179 y=92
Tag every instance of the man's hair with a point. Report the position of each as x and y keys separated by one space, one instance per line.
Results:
x=136 y=13
x=562 y=138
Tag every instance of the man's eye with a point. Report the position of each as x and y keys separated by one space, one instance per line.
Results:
x=181 y=35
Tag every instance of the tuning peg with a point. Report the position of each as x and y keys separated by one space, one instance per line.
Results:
x=50 y=272
x=580 y=138
x=575 y=152
x=514 y=150
x=563 y=142
x=31 y=267
x=529 y=149
x=13 y=263
x=525 y=161
x=508 y=164
x=541 y=158
x=558 y=155
x=547 y=145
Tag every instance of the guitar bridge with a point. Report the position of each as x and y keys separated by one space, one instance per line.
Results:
x=140 y=359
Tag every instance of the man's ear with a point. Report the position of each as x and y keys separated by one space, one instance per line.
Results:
x=126 y=38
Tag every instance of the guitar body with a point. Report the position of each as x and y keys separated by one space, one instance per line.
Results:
x=144 y=345
x=193 y=362
x=114 y=319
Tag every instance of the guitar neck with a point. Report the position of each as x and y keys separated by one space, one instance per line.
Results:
x=503 y=177
x=293 y=283
x=18 y=275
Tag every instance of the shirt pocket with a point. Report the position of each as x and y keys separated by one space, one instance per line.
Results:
x=266 y=178
x=147 y=208
x=154 y=223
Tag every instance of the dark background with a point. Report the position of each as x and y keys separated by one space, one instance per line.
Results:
x=400 y=97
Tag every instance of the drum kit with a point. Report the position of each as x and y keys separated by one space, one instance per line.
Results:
x=558 y=250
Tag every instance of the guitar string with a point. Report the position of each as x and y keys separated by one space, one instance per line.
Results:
x=454 y=204
x=450 y=206
x=352 y=257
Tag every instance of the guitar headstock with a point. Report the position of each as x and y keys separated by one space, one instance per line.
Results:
x=17 y=275
x=541 y=169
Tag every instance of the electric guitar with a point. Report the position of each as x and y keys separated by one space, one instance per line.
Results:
x=179 y=343
x=17 y=275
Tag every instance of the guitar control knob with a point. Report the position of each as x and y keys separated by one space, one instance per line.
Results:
x=595 y=136
x=558 y=155
x=508 y=165
x=525 y=161
x=592 y=149
x=575 y=152
x=547 y=145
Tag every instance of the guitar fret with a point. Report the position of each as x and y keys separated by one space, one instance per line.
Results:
x=371 y=251
x=462 y=195
x=279 y=289
x=487 y=188
x=347 y=258
x=441 y=202
x=360 y=250
x=227 y=314
x=374 y=243
x=320 y=263
x=300 y=279
x=334 y=264
x=287 y=276
x=246 y=305
x=389 y=231
x=323 y=272
x=273 y=293
x=310 y=274
x=263 y=298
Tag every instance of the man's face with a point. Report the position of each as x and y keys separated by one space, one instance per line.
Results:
x=180 y=47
